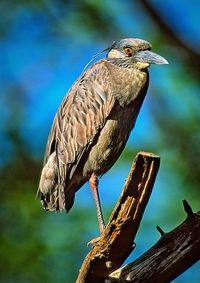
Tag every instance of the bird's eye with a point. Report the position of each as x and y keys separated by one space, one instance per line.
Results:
x=128 y=51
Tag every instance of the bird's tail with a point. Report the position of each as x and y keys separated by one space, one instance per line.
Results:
x=50 y=190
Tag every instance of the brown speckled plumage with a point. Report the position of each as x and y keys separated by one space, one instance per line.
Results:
x=94 y=121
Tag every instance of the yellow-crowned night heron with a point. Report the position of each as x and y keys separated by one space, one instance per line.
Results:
x=93 y=123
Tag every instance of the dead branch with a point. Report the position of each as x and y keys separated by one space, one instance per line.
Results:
x=117 y=242
x=175 y=252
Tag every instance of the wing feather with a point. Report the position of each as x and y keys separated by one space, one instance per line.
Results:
x=82 y=114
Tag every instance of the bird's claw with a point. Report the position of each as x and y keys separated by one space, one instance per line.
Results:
x=93 y=242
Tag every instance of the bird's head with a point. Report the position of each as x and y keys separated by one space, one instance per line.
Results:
x=134 y=52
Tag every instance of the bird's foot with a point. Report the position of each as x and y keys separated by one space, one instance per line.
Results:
x=93 y=242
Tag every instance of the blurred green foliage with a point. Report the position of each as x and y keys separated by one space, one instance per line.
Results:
x=44 y=47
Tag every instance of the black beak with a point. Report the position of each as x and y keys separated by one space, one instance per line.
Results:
x=149 y=57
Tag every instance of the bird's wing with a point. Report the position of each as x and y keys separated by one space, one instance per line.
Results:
x=80 y=117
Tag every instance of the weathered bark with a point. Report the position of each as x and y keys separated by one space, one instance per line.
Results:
x=117 y=242
x=175 y=252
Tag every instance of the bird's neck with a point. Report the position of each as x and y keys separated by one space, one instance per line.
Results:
x=122 y=62
x=129 y=84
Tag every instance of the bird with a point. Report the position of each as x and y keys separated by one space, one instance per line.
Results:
x=93 y=123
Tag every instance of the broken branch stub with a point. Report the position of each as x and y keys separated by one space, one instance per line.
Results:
x=174 y=253
x=117 y=241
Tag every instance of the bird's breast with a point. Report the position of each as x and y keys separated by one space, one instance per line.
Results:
x=110 y=143
x=130 y=86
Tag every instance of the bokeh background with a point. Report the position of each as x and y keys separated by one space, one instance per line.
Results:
x=44 y=48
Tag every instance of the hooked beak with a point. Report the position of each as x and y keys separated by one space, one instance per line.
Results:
x=149 y=57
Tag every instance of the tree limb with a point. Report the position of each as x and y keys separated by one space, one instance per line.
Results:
x=117 y=242
x=175 y=252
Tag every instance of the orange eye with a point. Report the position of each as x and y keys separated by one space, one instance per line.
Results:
x=128 y=51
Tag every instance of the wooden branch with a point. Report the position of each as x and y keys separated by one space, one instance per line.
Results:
x=175 y=252
x=107 y=253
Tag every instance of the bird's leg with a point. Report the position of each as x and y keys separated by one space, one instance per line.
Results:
x=94 y=187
